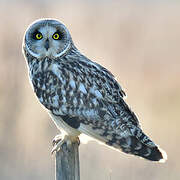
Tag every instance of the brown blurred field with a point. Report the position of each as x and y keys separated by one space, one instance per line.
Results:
x=138 y=41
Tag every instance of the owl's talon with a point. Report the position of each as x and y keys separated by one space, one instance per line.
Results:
x=57 y=147
x=53 y=149
x=56 y=139
x=59 y=140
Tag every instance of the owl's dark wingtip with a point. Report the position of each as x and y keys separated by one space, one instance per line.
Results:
x=158 y=155
x=164 y=156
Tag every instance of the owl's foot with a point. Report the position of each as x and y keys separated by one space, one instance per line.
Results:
x=59 y=140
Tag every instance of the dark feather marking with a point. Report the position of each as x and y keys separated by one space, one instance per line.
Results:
x=74 y=122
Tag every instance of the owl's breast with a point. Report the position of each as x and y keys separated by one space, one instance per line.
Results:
x=48 y=89
x=68 y=88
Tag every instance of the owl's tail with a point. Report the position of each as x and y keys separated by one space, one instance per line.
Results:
x=140 y=146
x=137 y=144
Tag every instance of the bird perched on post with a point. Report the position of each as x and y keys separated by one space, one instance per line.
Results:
x=80 y=95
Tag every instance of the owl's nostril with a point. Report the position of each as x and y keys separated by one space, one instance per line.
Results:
x=46 y=44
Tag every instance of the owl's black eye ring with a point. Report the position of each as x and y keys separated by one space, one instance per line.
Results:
x=37 y=35
x=57 y=36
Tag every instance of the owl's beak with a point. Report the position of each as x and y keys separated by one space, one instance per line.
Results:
x=46 y=44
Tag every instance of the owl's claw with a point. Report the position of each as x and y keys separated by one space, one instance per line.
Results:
x=56 y=139
x=59 y=140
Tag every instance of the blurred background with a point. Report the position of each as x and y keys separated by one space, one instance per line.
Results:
x=138 y=41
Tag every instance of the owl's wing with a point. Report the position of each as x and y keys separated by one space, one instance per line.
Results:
x=117 y=125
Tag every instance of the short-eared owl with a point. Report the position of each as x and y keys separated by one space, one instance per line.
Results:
x=80 y=95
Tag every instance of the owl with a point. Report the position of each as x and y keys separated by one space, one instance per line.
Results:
x=80 y=95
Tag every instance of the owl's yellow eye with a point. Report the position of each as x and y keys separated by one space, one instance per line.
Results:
x=39 y=36
x=56 y=36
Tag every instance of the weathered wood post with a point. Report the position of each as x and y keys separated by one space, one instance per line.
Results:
x=67 y=162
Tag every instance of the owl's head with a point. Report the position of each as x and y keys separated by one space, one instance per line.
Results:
x=47 y=38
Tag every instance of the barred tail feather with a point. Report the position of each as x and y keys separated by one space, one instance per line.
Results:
x=131 y=145
x=153 y=153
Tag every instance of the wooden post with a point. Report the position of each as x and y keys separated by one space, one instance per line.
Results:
x=67 y=162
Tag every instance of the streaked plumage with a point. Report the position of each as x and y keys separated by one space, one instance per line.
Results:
x=80 y=95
